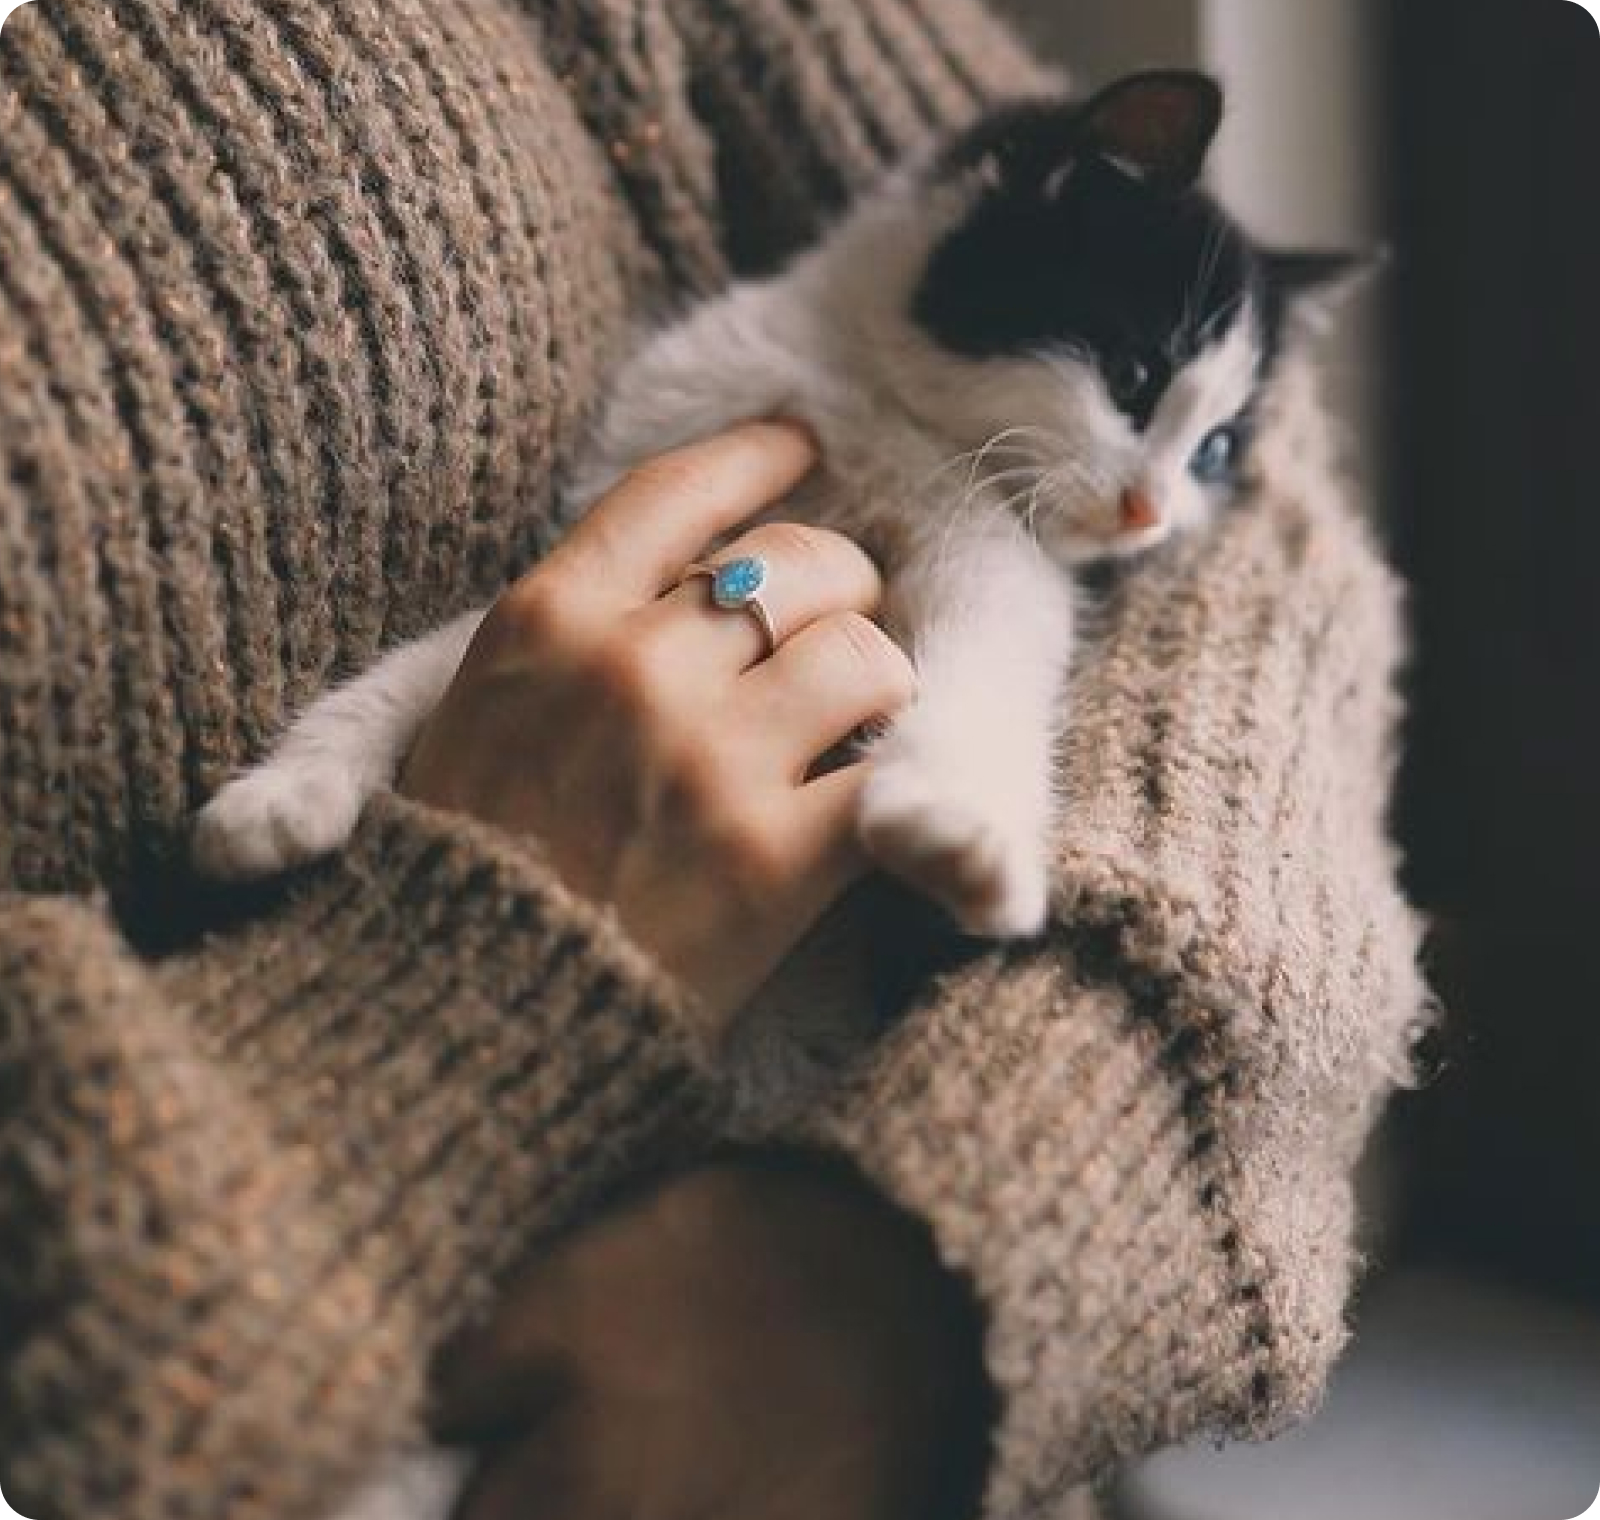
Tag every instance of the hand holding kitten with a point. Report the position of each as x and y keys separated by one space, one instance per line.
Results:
x=658 y=758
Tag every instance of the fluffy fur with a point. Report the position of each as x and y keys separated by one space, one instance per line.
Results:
x=1038 y=350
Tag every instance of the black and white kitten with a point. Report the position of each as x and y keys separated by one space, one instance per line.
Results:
x=1037 y=350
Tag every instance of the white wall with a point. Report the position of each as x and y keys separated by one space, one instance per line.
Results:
x=1099 y=39
x=1295 y=159
x=1295 y=156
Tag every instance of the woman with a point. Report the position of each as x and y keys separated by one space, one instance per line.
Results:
x=303 y=307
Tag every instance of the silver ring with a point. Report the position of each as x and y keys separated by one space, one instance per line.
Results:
x=736 y=586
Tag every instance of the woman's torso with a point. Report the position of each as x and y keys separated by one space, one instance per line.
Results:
x=301 y=309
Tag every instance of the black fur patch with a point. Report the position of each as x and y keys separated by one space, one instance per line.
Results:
x=1069 y=250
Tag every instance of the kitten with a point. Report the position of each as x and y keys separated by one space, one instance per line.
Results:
x=1038 y=350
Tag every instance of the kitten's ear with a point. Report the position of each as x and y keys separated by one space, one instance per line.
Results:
x=1314 y=284
x=1161 y=122
x=1302 y=272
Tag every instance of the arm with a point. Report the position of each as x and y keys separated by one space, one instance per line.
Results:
x=272 y=1175
x=1132 y=1140
x=242 y=1197
x=1136 y=1137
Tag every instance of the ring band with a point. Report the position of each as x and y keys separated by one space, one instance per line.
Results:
x=736 y=586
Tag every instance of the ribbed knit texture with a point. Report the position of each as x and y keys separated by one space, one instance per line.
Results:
x=241 y=1190
x=302 y=306
x=1137 y=1138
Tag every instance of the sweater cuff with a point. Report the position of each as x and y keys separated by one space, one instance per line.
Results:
x=1053 y=1129
x=247 y=1192
x=1136 y=1137
x=446 y=1014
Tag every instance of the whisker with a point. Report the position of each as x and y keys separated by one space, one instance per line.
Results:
x=999 y=439
x=995 y=445
x=979 y=496
x=1020 y=471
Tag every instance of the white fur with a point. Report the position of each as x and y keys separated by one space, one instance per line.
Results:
x=416 y=1486
x=979 y=485
x=306 y=799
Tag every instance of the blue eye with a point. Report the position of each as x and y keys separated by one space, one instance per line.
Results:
x=1216 y=457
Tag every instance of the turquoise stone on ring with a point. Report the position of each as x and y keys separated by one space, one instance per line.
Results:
x=738 y=583
x=736 y=587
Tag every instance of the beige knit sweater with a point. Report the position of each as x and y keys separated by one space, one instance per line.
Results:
x=302 y=303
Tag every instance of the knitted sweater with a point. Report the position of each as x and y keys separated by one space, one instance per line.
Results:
x=302 y=305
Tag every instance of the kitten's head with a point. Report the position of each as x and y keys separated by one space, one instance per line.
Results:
x=1089 y=307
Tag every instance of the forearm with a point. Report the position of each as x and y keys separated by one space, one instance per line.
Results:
x=1135 y=1137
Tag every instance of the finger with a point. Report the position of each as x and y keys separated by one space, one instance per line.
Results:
x=810 y=573
x=635 y=542
x=822 y=685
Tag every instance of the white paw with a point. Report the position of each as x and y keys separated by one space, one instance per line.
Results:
x=272 y=819
x=421 y=1486
x=991 y=881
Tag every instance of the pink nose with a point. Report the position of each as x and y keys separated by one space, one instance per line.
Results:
x=1138 y=511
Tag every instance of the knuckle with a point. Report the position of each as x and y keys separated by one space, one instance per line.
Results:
x=868 y=655
x=536 y=611
x=795 y=542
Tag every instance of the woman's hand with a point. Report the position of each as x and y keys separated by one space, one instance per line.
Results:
x=648 y=742
x=753 y=1341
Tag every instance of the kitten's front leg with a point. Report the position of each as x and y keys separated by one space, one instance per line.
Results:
x=961 y=797
x=304 y=800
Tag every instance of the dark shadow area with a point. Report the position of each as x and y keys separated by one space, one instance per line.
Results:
x=1491 y=175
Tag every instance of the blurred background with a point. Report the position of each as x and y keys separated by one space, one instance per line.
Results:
x=1465 y=136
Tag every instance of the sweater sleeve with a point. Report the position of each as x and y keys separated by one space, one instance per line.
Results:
x=1136 y=1138
x=246 y=1191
